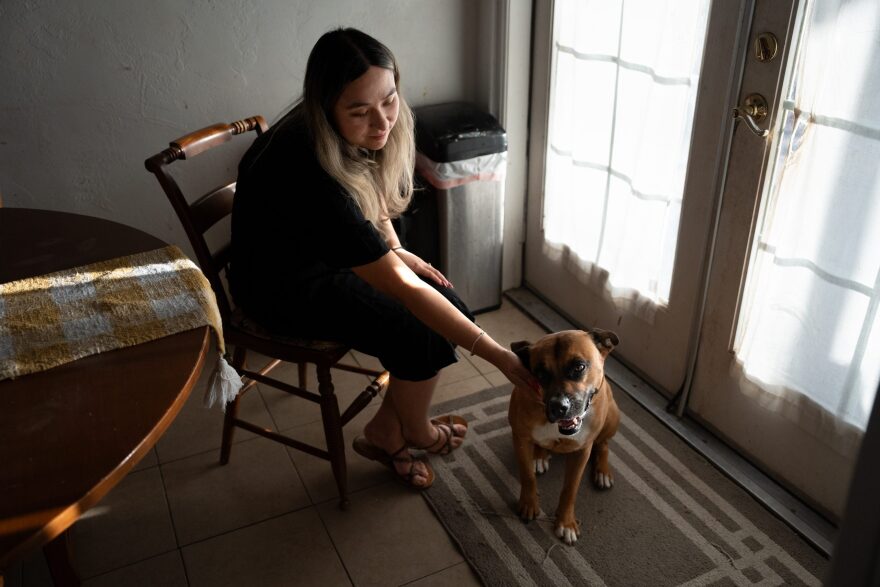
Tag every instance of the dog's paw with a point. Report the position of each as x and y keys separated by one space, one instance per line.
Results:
x=568 y=532
x=529 y=508
x=542 y=465
x=603 y=479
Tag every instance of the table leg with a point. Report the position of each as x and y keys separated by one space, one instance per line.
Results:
x=58 y=558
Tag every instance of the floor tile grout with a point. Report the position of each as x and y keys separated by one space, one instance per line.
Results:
x=443 y=570
x=243 y=526
x=133 y=563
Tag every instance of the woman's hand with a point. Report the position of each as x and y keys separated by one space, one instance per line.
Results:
x=512 y=368
x=419 y=267
x=507 y=362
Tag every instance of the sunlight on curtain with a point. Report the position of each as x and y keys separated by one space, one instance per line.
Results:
x=622 y=100
x=809 y=323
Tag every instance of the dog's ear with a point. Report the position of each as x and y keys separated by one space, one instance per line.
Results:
x=605 y=340
x=521 y=349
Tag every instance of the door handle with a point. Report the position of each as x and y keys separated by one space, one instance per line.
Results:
x=752 y=111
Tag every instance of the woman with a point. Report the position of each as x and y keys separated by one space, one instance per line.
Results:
x=315 y=253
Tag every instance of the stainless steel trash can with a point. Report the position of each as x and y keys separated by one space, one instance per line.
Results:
x=462 y=156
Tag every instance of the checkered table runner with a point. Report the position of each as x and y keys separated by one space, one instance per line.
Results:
x=52 y=319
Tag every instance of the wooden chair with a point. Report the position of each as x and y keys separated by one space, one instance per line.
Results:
x=243 y=334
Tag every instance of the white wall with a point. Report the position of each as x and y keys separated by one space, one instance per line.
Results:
x=91 y=88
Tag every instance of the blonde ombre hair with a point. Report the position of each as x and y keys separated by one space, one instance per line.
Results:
x=381 y=182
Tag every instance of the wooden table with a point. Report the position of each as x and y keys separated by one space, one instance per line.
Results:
x=70 y=434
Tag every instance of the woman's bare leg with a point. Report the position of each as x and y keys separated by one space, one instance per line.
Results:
x=404 y=415
x=403 y=419
x=385 y=431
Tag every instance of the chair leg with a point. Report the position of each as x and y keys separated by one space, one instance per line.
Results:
x=333 y=432
x=303 y=375
x=238 y=358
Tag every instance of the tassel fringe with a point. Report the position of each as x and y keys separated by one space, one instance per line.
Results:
x=223 y=386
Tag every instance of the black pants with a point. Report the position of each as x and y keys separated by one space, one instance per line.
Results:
x=344 y=308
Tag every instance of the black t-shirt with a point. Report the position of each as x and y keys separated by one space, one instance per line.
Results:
x=292 y=224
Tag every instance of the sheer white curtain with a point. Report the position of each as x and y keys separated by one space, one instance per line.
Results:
x=623 y=91
x=809 y=324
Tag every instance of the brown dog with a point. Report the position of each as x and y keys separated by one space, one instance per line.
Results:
x=574 y=413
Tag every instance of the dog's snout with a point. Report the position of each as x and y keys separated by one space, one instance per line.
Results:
x=558 y=407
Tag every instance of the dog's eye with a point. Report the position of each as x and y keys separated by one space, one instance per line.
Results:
x=577 y=370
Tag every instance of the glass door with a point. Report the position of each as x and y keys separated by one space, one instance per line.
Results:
x=714 y=198
x=630 y=127
x=789 y=356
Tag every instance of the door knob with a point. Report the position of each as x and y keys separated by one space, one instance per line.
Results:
x=752 y=111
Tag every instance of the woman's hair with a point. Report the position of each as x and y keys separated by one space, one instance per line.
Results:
x=381 y=182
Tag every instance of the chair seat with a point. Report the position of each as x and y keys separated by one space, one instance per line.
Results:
x=250 y=327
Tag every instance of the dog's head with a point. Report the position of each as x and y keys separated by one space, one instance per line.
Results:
x=569 y=365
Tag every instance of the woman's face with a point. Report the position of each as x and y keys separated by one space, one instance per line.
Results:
x=367 y=109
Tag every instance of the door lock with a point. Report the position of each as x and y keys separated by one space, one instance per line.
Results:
x=766 y=47
x=752 y=111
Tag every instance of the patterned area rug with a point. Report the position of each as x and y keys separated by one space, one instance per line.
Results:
x=670 y=519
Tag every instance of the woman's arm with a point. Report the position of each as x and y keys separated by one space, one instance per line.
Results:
x=390 y=275
x=410 y=259
x=389 y=233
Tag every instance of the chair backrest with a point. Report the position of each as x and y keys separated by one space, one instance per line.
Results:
x=206 y=211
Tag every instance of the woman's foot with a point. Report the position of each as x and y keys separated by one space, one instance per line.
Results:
x=407 y=469
x=392 y=451
x=448 y=434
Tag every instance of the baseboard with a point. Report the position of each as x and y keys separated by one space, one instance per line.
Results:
x=810 y=525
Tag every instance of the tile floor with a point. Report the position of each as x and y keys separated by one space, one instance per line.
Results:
x=270 y=517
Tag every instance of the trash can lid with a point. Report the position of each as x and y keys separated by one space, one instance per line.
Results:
x=454 y=131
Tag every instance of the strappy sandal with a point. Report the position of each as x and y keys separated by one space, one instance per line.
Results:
x=370 y=451
x=446 y=432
